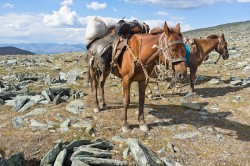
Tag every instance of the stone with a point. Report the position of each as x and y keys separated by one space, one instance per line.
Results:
x=63 y=76
x=101 y=144
x=18 y=121
x=142 y=155
x=99 y=161
x=91 y=152
x=1 y=102
x=60 y=158
x=71 y=76
x=36 y=111
x=36 y=125
x=37 y=98
x=125 y=153
x=15 y=160
x=19 y=103
x=26 y=106
x=187 y=135
x=46 y=95
x=47 y=79
x=214 y=81
x=58 y=99
x=51 y=156
x=167 y=161
x=236 y=82
x=64 y=126
x=77 y=143
x=78 y=163
x=191 y=105
x=76 y=107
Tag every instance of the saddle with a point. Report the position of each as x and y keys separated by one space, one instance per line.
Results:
x=118 y=47
x=100 y=50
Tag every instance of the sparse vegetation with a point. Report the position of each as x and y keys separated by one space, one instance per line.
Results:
x=223 y=125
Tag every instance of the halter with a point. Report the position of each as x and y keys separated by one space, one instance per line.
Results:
x=167 y=45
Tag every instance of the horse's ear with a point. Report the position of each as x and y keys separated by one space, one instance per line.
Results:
x=178 y=27
x=166 y=29
x=223 y=37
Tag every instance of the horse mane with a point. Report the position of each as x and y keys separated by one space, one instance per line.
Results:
x=159 y=30
x=156 y=31
x=212 y=37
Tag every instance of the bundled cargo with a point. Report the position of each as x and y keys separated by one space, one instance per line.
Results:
x=96 y=27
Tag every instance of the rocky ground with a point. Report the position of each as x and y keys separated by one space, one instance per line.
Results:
x=45 y=99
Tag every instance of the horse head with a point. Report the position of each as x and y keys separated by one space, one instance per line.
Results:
x=221 y=48
x=174 y=51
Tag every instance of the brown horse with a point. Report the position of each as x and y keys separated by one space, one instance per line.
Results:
x=200 y=48
x=138 y=60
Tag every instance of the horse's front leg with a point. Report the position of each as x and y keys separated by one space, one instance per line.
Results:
x=142 y=123
x=126 y=101
x=193 y=70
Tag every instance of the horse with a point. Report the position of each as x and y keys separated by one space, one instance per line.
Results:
x=98 y=55
x=139 y=59
x=200 y=48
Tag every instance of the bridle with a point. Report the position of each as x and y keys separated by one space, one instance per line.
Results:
x=223 y=53
x=167 y=45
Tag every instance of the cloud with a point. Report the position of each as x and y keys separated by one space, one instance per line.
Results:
x=29 y=28
x=178 y=4
x=67 y=2
x=161 y=13
x=59 y=18
x=114 y=9
x=8 y=5
x=243 y=1
x=96 y=6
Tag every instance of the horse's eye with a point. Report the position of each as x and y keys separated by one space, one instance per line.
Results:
x=172 y=49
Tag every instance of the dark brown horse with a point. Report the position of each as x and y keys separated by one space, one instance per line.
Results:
x=200 y=48
x=138 y=60
x=99 y=56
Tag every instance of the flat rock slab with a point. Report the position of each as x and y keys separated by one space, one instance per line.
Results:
x=143 y=155
x=60 y=158
x=76 y=107
x=99 y=161
x=77 y=143
x=191 y=105
x=187 y=135
x=50 y=157
x=92 y=152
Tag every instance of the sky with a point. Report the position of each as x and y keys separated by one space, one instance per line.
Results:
x=65 y=21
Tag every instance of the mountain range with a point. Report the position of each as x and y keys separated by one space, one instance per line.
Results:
x=14 y=51
x=48 y=48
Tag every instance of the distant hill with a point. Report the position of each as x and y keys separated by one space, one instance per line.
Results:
x=14 y=51
x=49 y=48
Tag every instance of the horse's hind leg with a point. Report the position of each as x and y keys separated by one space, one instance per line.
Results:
x=126 y=101
x=142 y=123
x=101 y=86
x=90 y=78
x=94 y=78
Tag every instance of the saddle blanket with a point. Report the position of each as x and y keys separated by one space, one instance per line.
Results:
x=188 y=54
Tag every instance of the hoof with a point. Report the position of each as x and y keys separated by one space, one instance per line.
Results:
x=150 y=96
x=126 y=129
x=96 y=109
x=144 y=127
x=104 y=107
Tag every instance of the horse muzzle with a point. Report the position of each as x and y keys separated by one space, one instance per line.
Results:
x=225 y=56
